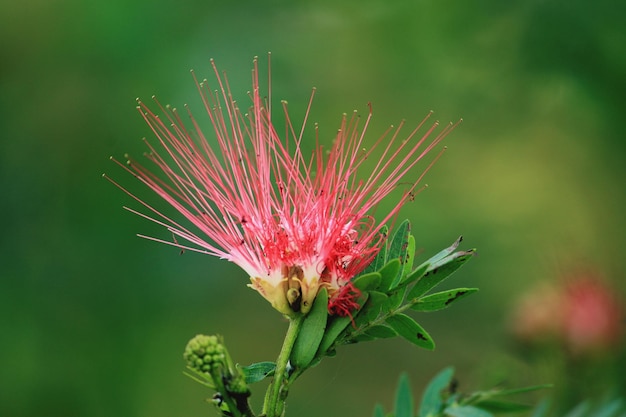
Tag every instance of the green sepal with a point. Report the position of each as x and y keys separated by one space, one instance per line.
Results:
x=403 y=406
x=367 y=282
x=432 y=403
x=439 y=271
x=312 y=332
x=258 y=371
x=410 y=330
x=441 y=300
x=388 y=273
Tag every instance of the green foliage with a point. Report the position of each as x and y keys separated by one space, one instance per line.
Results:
x=440 y=399
x=368 y=282
x=381 y=257
x=410 y=330
x=610 y=407
x=431 y=399
x=387 y=291
x=404 y=398
x=441 y=300
x=258 y=371
x=390 y=288
x=389 y=274
x=402 y=248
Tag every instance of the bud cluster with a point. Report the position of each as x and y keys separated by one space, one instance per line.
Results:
x=208 y=356
x=205 y=353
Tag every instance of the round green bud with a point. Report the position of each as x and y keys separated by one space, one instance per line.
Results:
x=204 y=353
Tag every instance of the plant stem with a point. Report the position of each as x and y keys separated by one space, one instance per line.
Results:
x=273 y=405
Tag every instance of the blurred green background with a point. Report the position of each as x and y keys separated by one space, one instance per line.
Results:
x=94 y=320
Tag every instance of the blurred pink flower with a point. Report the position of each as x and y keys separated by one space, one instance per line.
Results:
x=593 y=317
x=293 y=223
x=583 y=313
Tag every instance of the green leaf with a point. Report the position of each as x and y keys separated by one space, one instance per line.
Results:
x=394 y=301
x=376 y=299
x=407 y=262
x=404 y=398
x=542 y=409
x=378 y=411
x=397 y=246
x=362 y=337
x=367 y=282
x=388 y=273
x=311 y=332
x=444 y=253
x=498 y=407
x=432 y=401
x=411 y=331
x=436 y=267
x=381 y=257
x=381 y=332
x=522 y=390
x=399 y=249
x=609 y=409
x=466 y=411
x=258 y=371
x=416 y=274
x=580 y=410
x=438 y=272
x=441 y=300
x=371 y=309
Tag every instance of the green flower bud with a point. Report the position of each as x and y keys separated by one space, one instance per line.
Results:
x=207 y=355
x=204 y=353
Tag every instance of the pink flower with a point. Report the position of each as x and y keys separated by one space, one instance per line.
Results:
x=593 y=315
x=293 y=222
x=581 y=312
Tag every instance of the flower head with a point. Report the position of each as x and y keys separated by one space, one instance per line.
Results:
x=581 y=312
x=293 y=222
x=593 y=315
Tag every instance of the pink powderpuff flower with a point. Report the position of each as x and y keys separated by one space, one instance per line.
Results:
x=593 y=315
x=581 y=312
x=293 y=223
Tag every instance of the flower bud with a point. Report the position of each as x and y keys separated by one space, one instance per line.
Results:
x=205 y=354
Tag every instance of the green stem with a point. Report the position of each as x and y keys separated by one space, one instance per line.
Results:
x=216 y=375
x=273 y=405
